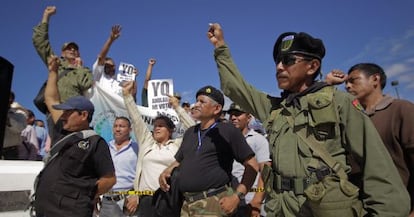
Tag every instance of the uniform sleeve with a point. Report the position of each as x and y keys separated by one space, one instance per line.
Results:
x=383 y=192
x=102 y=159
x=142 y=133
x=237 y=89
x=41 y=41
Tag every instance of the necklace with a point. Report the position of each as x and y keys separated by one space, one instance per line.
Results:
x=200 y=138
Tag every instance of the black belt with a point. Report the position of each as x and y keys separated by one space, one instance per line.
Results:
x=194 y=196
x=114 y=197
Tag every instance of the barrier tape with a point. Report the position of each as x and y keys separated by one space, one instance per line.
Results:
x=257 y=190
x=139 y=193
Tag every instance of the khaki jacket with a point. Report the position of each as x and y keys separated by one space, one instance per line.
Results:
x=76 y=81
x=290 y=155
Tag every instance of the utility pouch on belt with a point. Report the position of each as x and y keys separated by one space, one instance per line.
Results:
x=268 y=178
x=333 y=197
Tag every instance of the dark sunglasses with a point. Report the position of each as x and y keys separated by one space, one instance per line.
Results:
x=289 y=60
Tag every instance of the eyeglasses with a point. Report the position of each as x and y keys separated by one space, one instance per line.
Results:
x=107 y=65
x=289 y=60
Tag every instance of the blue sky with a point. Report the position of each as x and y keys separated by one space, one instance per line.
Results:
x=174 y=32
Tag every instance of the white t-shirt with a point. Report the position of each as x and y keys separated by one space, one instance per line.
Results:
x=107 y=82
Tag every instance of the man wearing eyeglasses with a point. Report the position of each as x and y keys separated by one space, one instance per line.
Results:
x=313 y=129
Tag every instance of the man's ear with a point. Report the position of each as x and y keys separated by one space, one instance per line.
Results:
x=313 y=66
x=218 y=109
x=84 y=115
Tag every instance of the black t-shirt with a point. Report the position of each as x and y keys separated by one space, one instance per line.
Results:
x=210 y=165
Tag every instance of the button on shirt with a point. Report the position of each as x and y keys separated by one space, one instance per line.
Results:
x=125 y=161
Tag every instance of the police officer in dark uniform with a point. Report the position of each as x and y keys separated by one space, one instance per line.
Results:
x=79 y=167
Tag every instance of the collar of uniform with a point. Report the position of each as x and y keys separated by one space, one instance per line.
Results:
x=384 y=103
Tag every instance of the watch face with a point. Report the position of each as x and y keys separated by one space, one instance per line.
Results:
x=240 y=195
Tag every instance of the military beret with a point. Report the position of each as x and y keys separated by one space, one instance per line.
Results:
x=213 y=93
x=298 y=43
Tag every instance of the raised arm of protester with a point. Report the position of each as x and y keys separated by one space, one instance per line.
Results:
x=144 y=93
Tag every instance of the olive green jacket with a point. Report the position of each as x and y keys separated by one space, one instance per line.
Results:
x=383 y=193
x=77 y=79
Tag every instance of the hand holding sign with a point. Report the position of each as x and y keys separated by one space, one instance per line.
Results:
x=126 y=72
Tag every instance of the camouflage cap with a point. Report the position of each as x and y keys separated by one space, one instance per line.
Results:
x=65 y=45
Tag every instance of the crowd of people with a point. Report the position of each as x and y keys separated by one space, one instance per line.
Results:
x=321 y=151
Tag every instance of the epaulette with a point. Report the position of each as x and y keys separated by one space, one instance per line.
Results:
x=357 y=105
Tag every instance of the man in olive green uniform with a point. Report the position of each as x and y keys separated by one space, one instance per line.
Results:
x=74 y=79
x=312 y=114
x=78 y=79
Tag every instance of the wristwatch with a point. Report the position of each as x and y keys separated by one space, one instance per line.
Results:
x=240 y=195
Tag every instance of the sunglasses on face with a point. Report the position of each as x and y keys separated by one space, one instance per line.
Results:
x=289 y=60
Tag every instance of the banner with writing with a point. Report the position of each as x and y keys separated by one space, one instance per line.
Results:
x=109 y=105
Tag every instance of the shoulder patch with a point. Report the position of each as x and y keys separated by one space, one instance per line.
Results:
x=357 y=105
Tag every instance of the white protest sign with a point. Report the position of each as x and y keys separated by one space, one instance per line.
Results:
x=126 y=72
x=158 y=91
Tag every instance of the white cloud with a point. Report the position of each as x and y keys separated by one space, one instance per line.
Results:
x=396 y=69
x=406 y=78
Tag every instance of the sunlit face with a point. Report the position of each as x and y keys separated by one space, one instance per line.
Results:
x=205 y=108
x=161 y=132
x=70 y=52
x=74 y=120
x=121 y=130
x=292 y=72
x=240 y=119
x=359 y=85
x=109 y=67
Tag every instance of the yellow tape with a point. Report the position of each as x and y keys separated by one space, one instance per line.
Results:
x=139 y=193
x=257 y=189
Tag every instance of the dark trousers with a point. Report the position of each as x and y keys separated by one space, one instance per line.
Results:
x=145 y=207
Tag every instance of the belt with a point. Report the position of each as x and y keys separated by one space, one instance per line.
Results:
x=194 y=196
x=114 y=197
